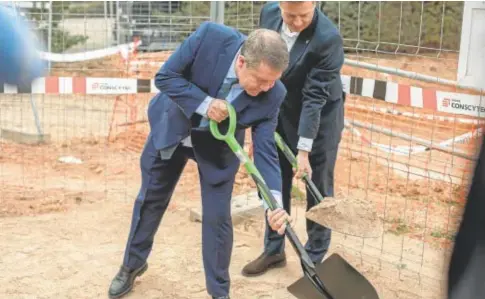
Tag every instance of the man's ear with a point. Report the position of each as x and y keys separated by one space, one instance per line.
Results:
x=240 y=61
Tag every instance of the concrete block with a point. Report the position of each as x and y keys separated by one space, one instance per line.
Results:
x=242 y=207
x=25 y=138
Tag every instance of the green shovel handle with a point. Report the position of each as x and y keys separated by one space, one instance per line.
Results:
x=232 y=125
x=285 y=149
x=236 y=148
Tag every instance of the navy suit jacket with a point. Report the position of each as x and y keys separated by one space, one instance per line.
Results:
x=196 y=70
x=314 y=104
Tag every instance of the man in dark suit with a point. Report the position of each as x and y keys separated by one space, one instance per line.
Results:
x=214 y=64
x=467 y=262
x=311 y=118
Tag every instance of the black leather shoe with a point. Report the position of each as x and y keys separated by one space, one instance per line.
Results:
x=263 y=263
x=123 y=281
x=223 y=297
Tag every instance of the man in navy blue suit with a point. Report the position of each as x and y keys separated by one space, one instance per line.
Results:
x=213 y=65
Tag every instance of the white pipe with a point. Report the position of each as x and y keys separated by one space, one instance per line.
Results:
x=408 y=74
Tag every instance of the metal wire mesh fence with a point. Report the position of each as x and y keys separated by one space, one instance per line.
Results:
x=401 y=149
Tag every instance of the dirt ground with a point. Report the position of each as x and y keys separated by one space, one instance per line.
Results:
x=64 y=227
x=66 y=204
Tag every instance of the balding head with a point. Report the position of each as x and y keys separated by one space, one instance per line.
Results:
x=263 y=59
x=264 y=45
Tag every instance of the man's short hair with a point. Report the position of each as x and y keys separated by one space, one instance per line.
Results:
x=297 y=2
x=264 y=45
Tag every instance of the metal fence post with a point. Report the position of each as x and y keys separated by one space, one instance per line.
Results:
x=118 y=23
x=105 y=10
x=36 y=115
x=217 y=11
x=49 y=33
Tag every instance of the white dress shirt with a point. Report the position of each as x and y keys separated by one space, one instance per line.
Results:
x=290 y=38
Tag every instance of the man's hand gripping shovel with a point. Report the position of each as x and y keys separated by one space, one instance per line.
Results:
x=337 y=285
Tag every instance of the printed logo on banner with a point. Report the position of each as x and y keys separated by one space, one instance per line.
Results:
x=446 y=102
x=465 y=104
x=458 y=105
x=110 y=86
x=106 y=86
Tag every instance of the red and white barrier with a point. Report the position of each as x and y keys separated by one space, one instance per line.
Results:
x=391 y=92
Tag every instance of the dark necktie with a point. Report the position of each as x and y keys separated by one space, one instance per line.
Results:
x=226 y=87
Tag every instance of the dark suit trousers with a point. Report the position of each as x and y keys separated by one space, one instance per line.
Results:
x=323 y=165
x=159 y=178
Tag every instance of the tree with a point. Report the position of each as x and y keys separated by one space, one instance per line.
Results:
x=61 y=39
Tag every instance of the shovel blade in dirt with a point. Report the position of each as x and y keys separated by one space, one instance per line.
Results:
x=341 y=280
x=348 y=215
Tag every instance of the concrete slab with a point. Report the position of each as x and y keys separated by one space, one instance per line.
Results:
x=243 y=207
x=25 y=138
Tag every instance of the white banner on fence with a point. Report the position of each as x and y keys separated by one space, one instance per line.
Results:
x=456 y=103
x=89 y=55
x=110 y=86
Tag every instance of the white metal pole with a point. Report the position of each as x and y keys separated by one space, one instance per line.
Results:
x=106 y=23
x=118 y=25
x=49 y=34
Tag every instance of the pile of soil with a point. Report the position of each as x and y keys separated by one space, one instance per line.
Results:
x=348 y=215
